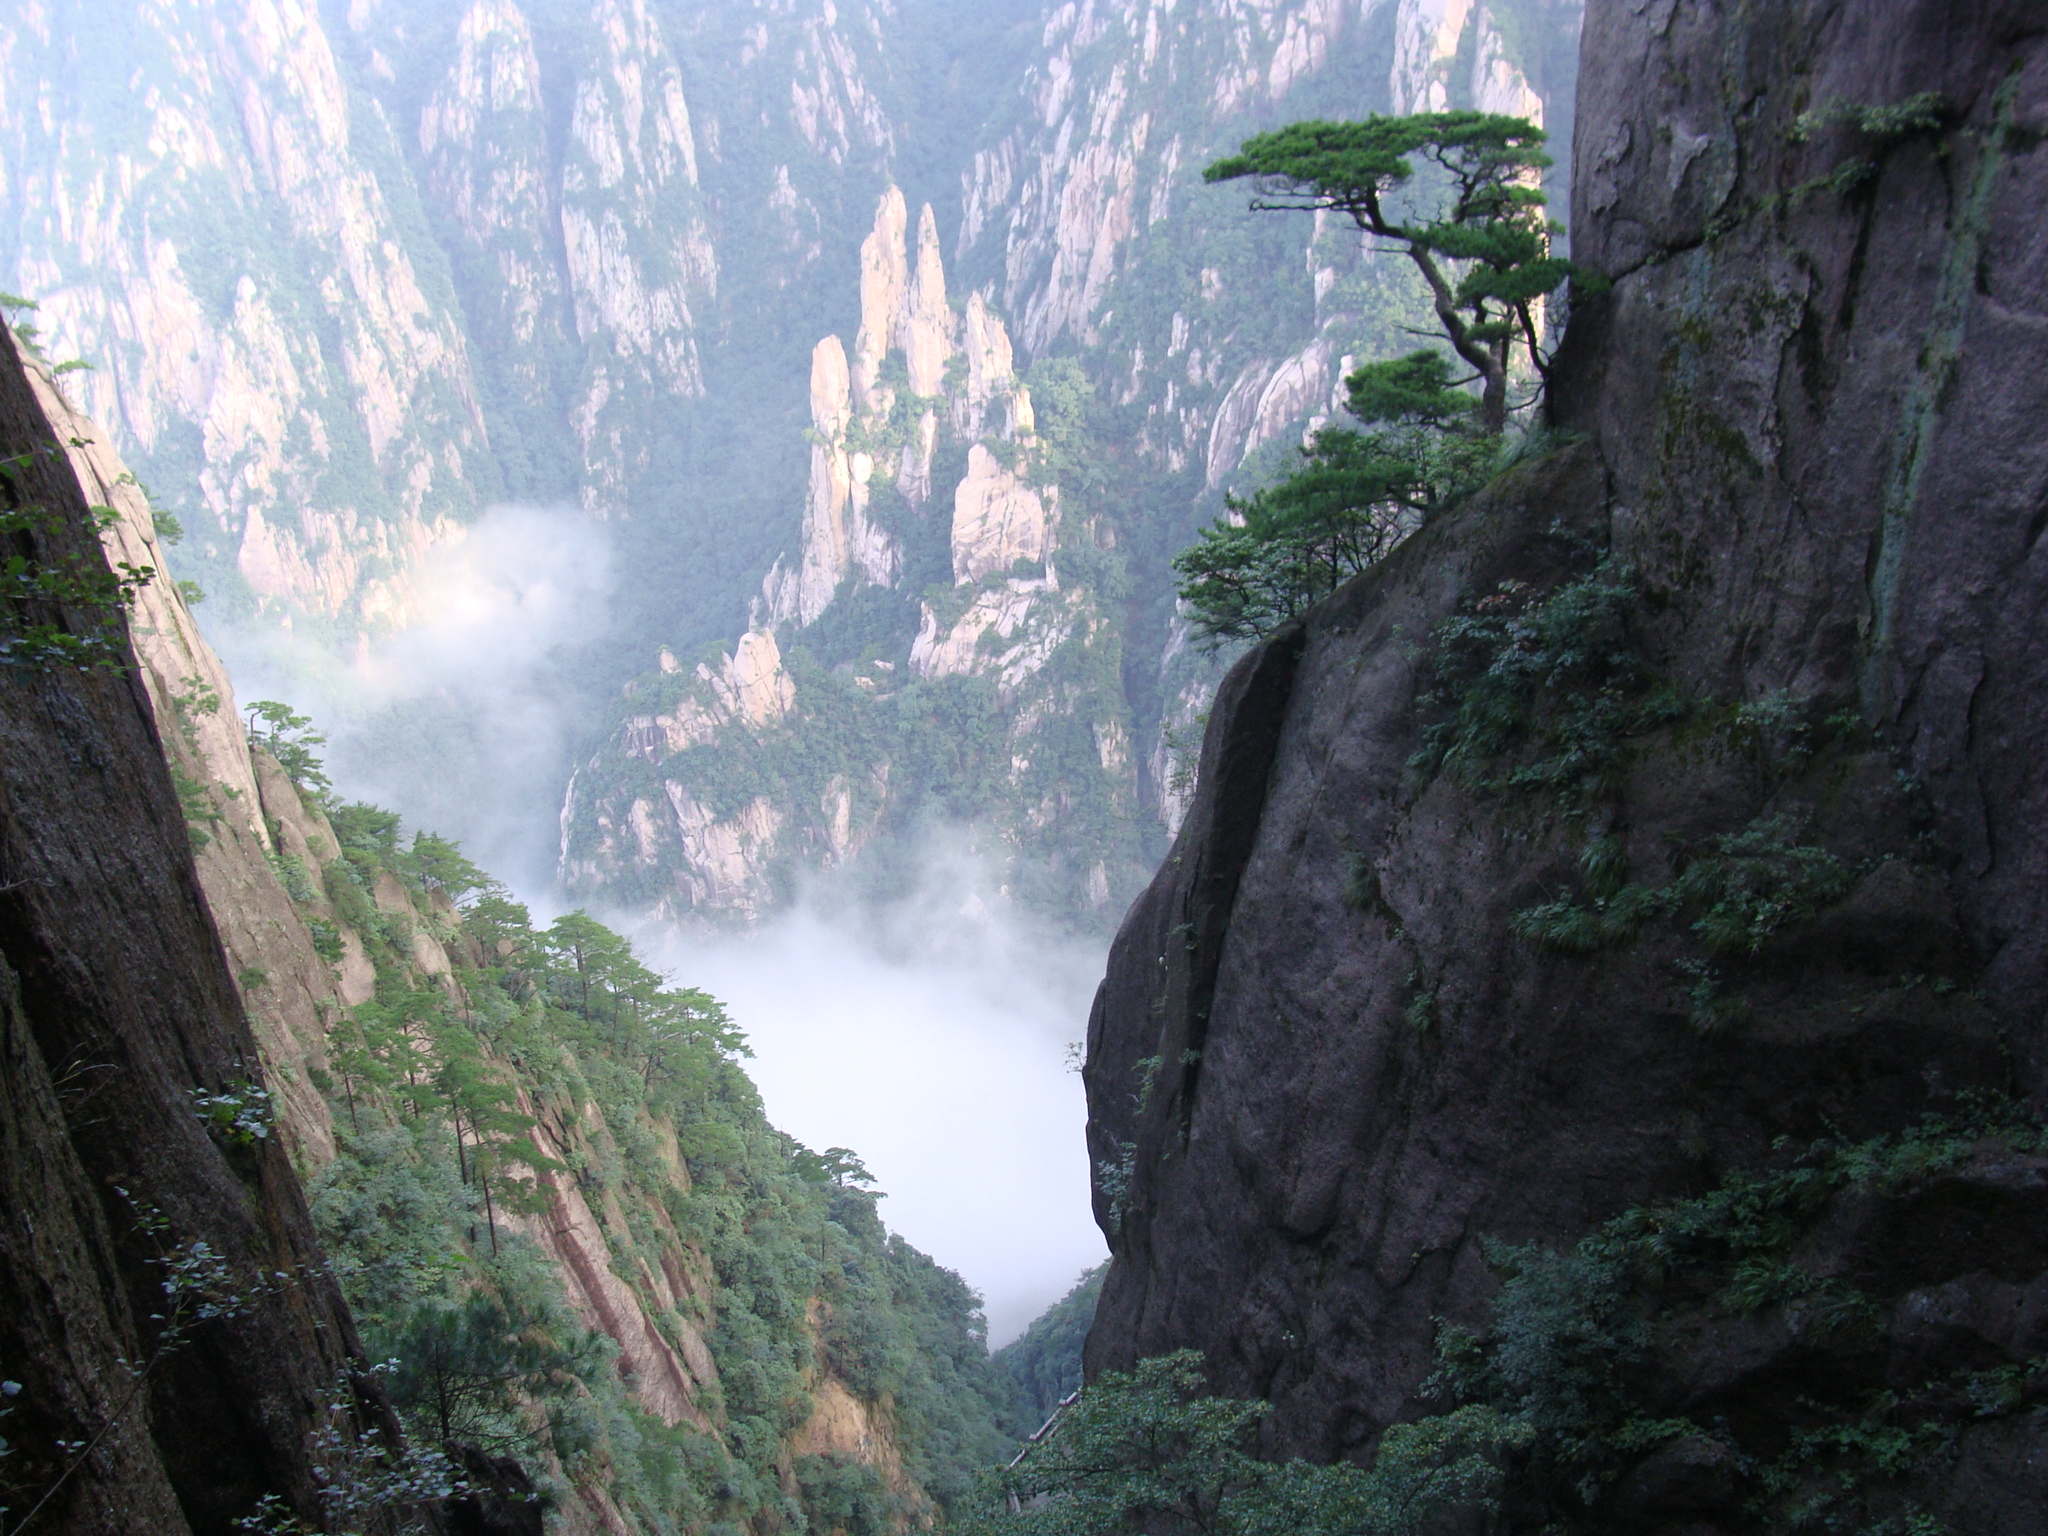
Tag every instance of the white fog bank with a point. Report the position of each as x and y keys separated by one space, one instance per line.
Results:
x=933 y=1039
x=461 y=722
x=928 y=1030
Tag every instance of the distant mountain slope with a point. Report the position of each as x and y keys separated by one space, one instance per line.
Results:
x=347 y=276
x=1046 y=1361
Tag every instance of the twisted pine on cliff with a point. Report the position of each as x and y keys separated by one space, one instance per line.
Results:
x=1356 y=496
x=1482 y=247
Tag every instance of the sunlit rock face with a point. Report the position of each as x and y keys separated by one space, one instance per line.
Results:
x=271 y=320
x=637 y=249
x=923 y=381
x=271 y=943
x=838 y=538
x=997 y=520
x=349 y=276
x=1096 y=155
x=313 y=387
x=931 y=479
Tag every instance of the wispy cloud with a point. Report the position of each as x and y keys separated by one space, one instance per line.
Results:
x=930 y=1033
x=463 y=722
x=927 y=1029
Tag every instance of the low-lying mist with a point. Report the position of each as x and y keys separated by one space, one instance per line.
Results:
x=934 y=1033
x=921 y=1021
x=464 y=721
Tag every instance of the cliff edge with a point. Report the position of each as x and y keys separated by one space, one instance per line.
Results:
x=173 y=1342
x=1670 y=817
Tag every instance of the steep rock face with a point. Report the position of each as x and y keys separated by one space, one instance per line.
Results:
x=582 y=263
x=481 y=269
x=315 y=386
x=839 y=538
x=268 y=865
x=118 y=1006
x=637 y=249
x=1219 y=341
x=489 y=169
x=1352 y=1034
x=929 y=395
x=230 y=796
x=1108 y=125
x=998 y=519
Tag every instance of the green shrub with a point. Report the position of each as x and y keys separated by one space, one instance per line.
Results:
x=1147 y=1451
x=439 y=1107
x=64 y=610
x=1754 y=885
x=1574 y=1334
x=1545 y=694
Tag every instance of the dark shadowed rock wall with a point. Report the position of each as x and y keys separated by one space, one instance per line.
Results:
x=115 y=1004
x=1806 y=436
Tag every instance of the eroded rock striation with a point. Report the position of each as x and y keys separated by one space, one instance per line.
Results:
x=122 y=1208
x=1674 y=806
x=209 y=931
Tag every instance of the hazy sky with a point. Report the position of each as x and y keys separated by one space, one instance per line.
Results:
x=930 y=1037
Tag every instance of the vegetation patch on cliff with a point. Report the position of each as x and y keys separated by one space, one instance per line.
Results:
x=1630 y=1346
x=551 y=1080
x=1755 y=1352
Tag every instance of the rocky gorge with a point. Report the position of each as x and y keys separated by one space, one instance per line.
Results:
x=206 y=1207
x=1584 y=1004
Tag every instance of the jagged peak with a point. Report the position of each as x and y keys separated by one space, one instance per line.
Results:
x=884 y=278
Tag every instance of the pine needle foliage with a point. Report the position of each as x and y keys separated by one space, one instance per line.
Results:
x=556 y=1058
x=1356 y=495
x=1147 y=1450
x=1473 y=225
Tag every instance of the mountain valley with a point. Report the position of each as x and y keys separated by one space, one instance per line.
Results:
x=856 y=491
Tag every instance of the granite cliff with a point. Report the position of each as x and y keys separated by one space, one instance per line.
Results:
x=1653 y=838
x=126 y=1216
x=1029 y=417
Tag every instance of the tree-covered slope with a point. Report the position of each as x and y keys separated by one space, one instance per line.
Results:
x=556 y=1206
x=1046 y=1361
x=538 y=1171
